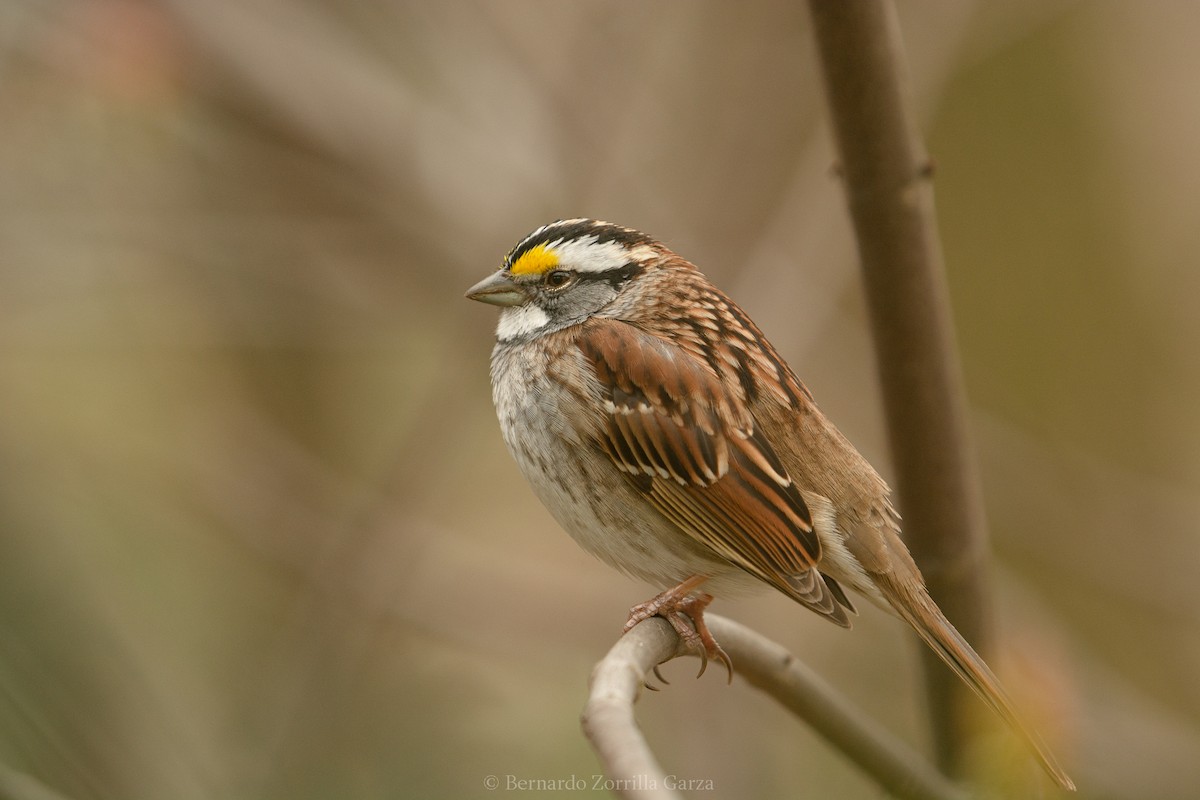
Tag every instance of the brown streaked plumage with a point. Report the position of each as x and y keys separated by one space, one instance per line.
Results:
x=701 y=462
x=666 y=434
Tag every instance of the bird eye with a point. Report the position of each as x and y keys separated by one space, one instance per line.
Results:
x=558 y=279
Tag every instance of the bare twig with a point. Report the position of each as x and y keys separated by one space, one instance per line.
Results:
x=609 y=722
x=891 y=201
x=608 y=718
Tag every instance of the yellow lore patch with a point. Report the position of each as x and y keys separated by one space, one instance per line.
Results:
x=535 y=261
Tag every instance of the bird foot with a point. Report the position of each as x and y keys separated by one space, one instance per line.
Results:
x=685 y=611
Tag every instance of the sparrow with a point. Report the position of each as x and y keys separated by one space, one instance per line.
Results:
x=666 y=434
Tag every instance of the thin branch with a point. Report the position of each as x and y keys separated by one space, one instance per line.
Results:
x=891 y=202
x=608 y=720
x=609 y=723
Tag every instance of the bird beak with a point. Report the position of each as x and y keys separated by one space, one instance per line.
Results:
x=498 y=290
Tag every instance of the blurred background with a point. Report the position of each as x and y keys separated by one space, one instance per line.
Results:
x=259 y=535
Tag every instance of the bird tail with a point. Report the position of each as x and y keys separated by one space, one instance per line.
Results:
x=918 y=610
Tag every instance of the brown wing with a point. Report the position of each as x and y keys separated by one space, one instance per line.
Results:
x=690 y=445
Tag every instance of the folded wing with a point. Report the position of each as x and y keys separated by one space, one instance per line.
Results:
x=690 y=445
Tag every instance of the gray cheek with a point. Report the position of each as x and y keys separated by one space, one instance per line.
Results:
x=585 y=299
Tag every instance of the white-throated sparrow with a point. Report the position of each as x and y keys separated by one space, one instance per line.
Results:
x=665 y=433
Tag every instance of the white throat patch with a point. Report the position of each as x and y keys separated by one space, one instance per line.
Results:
x=519 y=321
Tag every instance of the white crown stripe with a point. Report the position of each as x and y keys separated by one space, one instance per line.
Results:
x=586 y=255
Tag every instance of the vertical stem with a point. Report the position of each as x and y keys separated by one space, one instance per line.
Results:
x=891 y=202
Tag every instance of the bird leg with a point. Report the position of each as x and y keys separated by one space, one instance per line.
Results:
x=685 y=611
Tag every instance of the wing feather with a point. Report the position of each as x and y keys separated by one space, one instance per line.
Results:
x=690 y=444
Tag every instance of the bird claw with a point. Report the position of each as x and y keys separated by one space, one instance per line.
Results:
x=660 y=677
x=685 y=612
